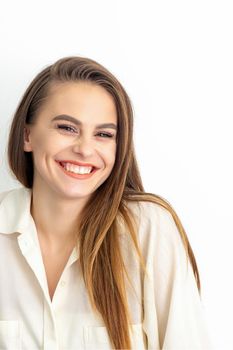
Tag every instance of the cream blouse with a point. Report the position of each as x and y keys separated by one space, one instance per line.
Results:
x=165 y=306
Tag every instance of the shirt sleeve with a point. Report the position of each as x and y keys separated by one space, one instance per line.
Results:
x=173 y=312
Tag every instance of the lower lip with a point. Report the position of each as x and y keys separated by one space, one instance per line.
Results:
x=77 y=176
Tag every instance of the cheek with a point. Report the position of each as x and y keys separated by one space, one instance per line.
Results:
x=107 y=152
x=111 y=155
x=49 y=143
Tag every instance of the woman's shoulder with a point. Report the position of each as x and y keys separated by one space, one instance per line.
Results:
x=158 y=230
x=155 y=220
x=148 y=211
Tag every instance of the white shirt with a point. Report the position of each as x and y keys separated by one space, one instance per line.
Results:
x=173 y=314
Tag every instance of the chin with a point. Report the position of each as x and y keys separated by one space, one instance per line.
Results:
x=69 y=194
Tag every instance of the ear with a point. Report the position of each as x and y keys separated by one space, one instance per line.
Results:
x=27 y=143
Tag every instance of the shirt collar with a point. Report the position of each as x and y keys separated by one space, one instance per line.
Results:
x=15 y=215
x=15 y=212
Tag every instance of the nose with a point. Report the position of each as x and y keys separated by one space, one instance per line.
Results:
x=84 y=146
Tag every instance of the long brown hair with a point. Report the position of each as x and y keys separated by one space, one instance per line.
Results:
x=98 y=234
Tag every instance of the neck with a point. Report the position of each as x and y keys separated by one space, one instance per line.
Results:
x=55 y=218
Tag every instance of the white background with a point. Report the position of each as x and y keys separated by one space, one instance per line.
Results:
x=175 y=60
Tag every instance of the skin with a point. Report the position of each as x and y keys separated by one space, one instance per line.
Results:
x=57 y=199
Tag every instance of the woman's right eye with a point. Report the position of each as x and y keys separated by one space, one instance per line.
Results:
x=67 y=128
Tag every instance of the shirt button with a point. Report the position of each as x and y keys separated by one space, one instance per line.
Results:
x=63 y=283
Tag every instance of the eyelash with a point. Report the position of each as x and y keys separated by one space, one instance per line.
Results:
x=66 y=127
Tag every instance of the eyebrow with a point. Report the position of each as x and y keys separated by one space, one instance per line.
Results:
x=78 y=122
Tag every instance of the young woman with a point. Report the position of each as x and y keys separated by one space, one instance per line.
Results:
x=88 y=259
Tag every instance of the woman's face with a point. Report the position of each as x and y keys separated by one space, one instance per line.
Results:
x=74 y=133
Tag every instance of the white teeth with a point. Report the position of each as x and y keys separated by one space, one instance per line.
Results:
x=77 y=169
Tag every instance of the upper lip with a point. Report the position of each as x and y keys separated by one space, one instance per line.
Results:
x=77 y=163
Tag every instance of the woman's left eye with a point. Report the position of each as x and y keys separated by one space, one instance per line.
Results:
x=104 y=134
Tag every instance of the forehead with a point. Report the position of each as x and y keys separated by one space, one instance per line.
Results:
x=81 y=97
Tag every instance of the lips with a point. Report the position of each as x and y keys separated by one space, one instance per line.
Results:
x=77 y=169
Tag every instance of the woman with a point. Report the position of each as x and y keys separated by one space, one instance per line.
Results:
x=93 y=262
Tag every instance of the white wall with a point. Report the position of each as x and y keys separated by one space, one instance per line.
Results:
x=175 y=60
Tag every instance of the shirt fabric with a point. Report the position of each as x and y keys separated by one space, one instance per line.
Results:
x=166 y=310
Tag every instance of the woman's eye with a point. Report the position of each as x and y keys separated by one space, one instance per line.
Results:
x=105 y=134
x=67 y=128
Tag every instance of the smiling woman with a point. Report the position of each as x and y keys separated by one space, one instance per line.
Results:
x=79 y=147
x=101 y=263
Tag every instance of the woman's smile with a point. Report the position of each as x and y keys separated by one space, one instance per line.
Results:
x=77 y=172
